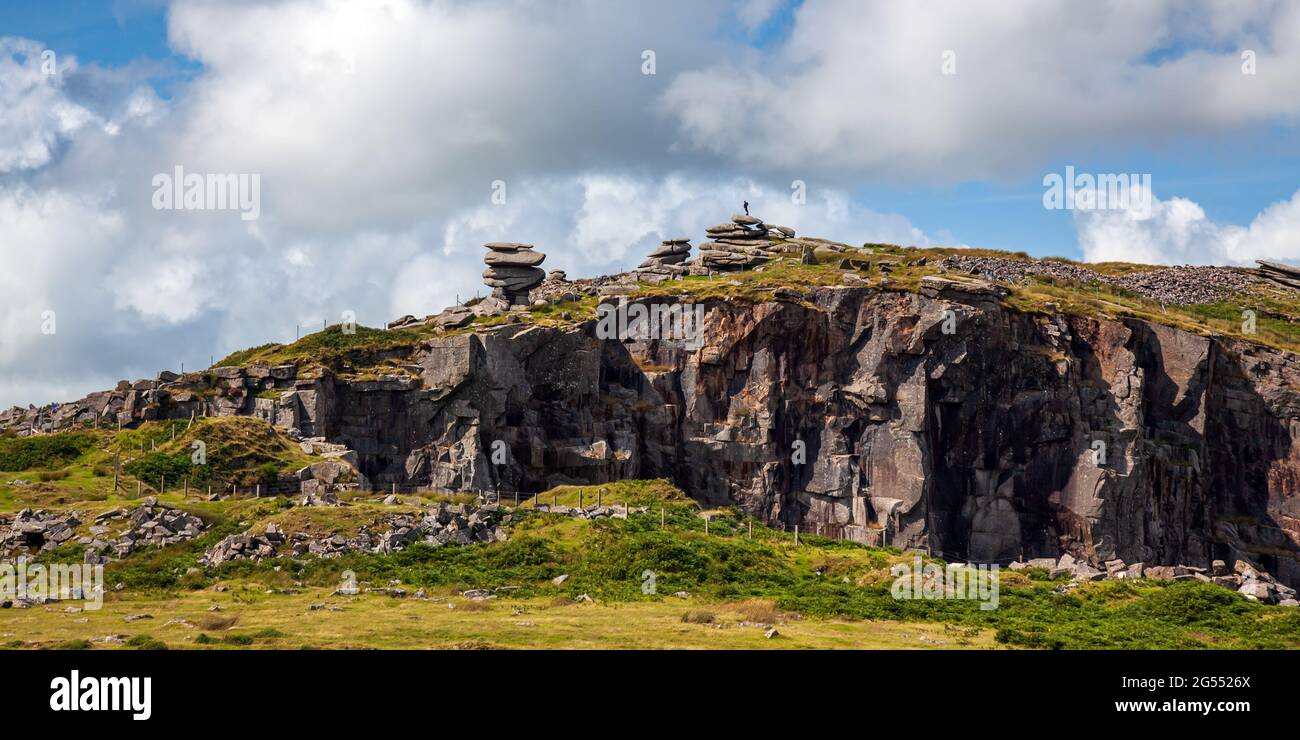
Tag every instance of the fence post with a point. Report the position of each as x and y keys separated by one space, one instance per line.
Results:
x=579 y=498
x=187 y=486
x=600 y=497
x=661 y=517
x=796 y=534
x=706 y=525
x=751 y=529
x=116 y=458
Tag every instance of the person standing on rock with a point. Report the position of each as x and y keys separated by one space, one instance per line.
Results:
x=746 y=208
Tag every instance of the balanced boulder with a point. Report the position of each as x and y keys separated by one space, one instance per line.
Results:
x=512 y=271
x=667 y=260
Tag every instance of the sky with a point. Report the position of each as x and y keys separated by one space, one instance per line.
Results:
x=390 y=139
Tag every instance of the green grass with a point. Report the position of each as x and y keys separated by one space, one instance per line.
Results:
x=238 y=449
x=331 y=347
x=820 y=579
x=44 y=452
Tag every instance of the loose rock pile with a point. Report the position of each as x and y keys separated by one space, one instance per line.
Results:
x=744 y=243
x=512 y=271
x=1186 y=284
x=36 y=531
x=1244 y=578
x=593 y=511
x=669 y=259
x=150 y=525
x=441 y=524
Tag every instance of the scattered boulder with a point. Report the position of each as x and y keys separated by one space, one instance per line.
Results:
x=437 y=525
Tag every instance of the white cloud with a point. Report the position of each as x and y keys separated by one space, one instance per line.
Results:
x=378 y=127
x=37 y=115
x=857 y=88
x=1180 y=232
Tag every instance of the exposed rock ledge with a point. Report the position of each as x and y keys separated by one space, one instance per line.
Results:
x=978 y=444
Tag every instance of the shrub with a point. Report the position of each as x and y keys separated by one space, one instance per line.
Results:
x=139 y=640
x=47 y=451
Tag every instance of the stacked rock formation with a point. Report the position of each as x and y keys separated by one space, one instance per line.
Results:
x=668 y=260
x=1284 y=275
x=512 y=271
x=744 y=243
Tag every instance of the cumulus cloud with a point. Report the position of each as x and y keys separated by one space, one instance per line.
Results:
x=1178 y=231
x=858 y=89
x=378 y=128
x=38 y=115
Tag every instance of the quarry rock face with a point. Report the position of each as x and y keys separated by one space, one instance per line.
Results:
x=938 y=421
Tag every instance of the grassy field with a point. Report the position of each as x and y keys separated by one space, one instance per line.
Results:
x=252 y=618
x=720 y=588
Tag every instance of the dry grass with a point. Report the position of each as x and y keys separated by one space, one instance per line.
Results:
x=698 y=616
x=218 y=624
x=759 y=610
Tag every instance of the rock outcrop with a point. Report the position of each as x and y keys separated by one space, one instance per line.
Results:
x=744 y=243
x=942 y=420
x=512 y=271
x=667 y=261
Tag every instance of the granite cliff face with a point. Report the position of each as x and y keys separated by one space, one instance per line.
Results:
x=939 y=420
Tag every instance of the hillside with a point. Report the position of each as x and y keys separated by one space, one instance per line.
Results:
x=561 y=581
x=1116 y=436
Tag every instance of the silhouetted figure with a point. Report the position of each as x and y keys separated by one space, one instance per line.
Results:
x=746 y=208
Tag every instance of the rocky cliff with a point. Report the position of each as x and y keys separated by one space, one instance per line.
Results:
x=940 y=420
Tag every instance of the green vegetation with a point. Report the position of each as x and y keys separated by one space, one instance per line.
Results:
x=43 y=452
x=330 y=347
x=237 y=449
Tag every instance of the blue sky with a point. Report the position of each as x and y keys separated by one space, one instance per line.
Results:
x=378 y=128
x=1232 y=178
